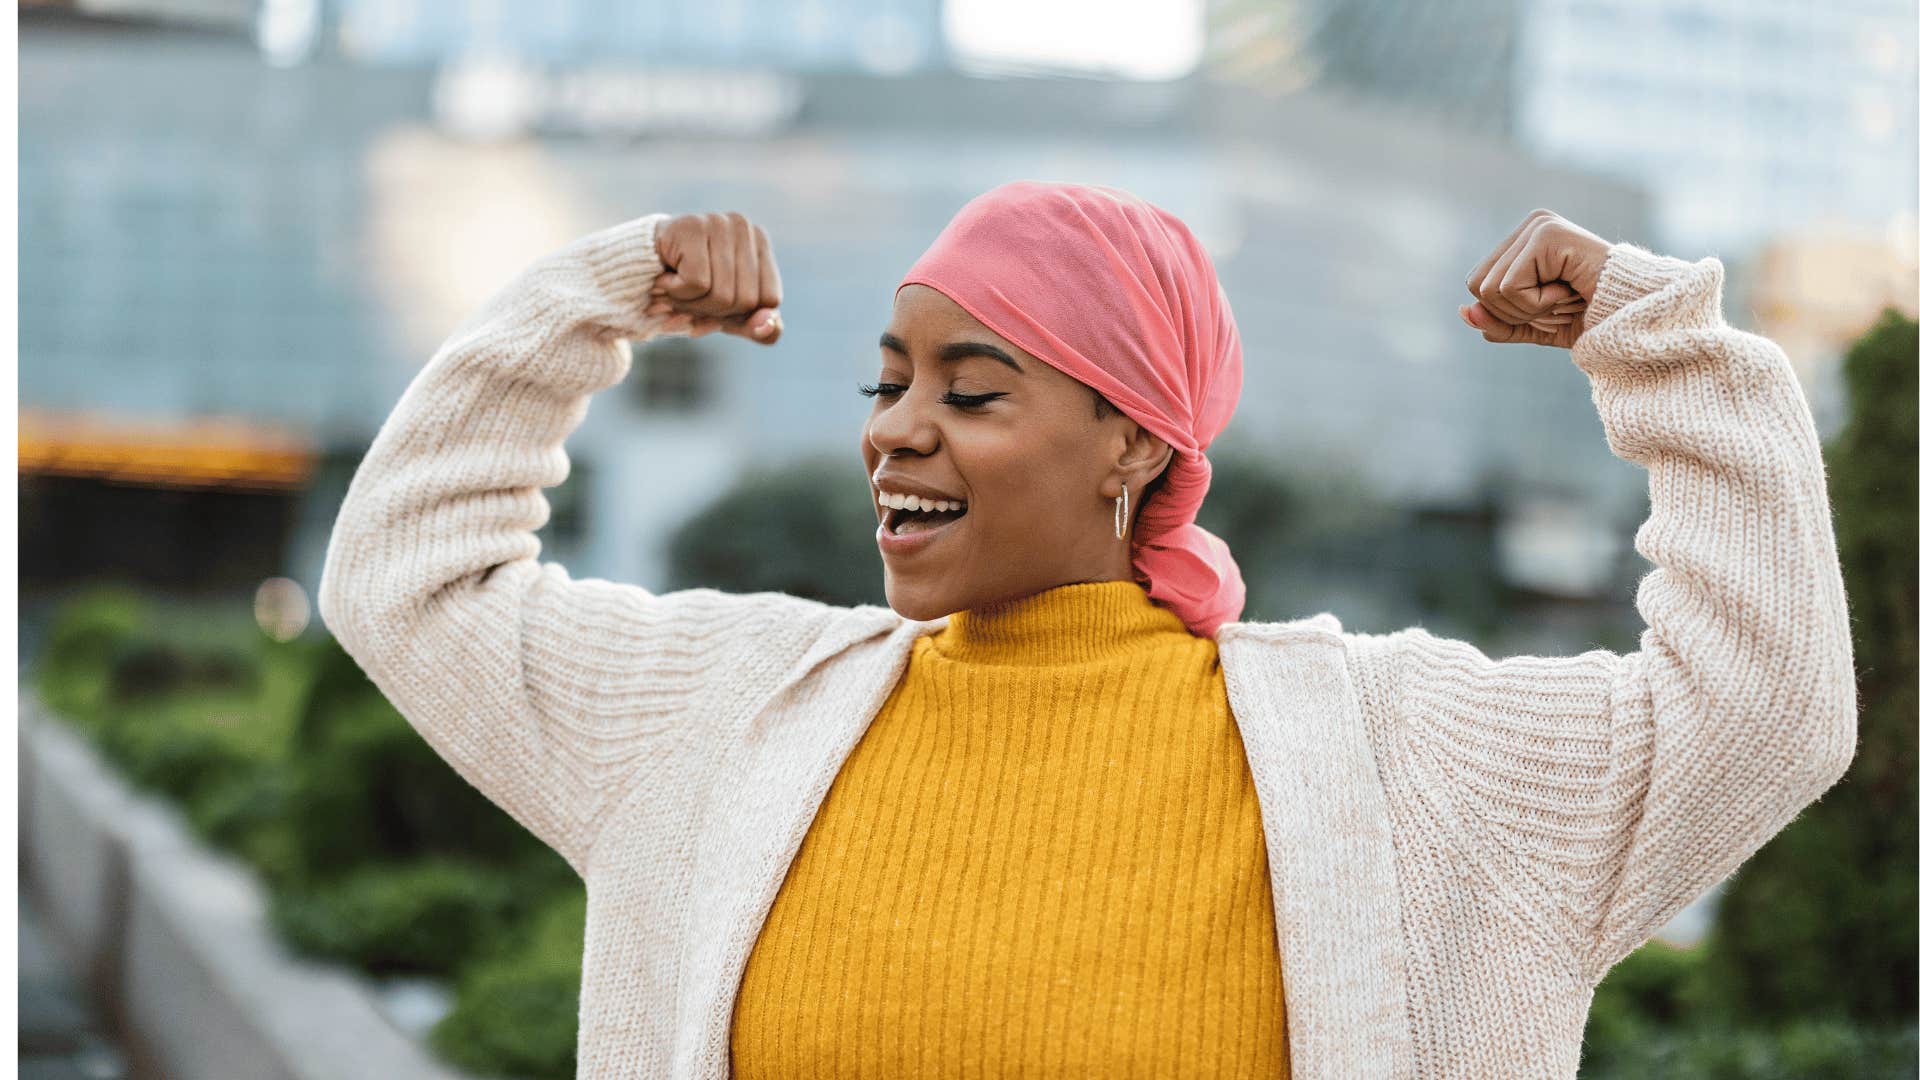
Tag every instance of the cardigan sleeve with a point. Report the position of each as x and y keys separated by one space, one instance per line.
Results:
x=549 y=695
x=1614 y=790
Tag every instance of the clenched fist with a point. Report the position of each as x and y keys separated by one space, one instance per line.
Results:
x=717 y=273
x=1535 y=286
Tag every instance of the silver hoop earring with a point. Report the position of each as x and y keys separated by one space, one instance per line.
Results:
x=1120 y=514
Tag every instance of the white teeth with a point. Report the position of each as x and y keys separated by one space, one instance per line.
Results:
x=915 y=502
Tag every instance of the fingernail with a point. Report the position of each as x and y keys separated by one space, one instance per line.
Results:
x=763 y=329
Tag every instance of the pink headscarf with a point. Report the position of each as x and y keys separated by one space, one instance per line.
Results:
x=1117 y=293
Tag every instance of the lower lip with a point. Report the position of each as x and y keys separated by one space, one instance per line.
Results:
x=892 y=543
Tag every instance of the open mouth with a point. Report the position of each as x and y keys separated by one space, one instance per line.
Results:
x=904 y=522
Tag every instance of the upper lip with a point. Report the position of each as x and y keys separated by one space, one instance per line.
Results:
x=901 y=486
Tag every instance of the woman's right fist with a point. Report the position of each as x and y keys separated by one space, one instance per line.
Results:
x=717 y=273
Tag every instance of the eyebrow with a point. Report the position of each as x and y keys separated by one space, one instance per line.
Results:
x=955 y=350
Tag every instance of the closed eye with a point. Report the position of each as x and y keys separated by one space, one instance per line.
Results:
x=965 y=401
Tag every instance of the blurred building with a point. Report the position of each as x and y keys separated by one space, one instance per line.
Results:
x=1742 y=119
x=207 y=235
x=1452 y=61
x=882 y=37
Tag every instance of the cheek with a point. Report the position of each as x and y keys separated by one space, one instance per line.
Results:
x=1027 y=484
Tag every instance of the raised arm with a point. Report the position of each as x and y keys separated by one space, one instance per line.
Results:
x=549 y=695
x=1614 y=790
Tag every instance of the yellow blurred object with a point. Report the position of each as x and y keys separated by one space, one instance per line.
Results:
x=1815 y=290
x=203 y=452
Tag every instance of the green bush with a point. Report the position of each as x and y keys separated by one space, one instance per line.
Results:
x=181 y=706
x=375 y=851
x=1656 y=984
x=148 y=669
x=248 y=814
x=159 y=751
x=517 y=1012
x=87 y=636
x=428 y=916
x=1803 y=1050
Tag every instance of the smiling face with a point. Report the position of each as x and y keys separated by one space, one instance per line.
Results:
x=961 y=413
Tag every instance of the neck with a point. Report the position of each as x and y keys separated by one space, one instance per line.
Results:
x=1074 y=623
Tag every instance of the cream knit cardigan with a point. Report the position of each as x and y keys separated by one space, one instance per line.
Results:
x=1460 y=846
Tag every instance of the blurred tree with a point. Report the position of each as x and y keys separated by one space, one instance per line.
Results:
x=1822 y=920
x=805 y=529
x=1250 y=507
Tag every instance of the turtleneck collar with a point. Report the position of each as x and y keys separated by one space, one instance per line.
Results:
x=1067 y=624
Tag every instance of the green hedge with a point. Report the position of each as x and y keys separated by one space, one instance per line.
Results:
x=1802 y=1050
x=517 y=1010
x=374 y=851
x=421 y=917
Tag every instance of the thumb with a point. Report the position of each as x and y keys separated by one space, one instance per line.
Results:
x=763 y=325
x=1502 y=332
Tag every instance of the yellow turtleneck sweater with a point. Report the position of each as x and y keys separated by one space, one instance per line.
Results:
x=1044 y=858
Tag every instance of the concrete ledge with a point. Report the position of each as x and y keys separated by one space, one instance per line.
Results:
x=172 y=938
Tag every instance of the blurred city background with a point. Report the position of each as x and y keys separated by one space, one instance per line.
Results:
x=244 y=225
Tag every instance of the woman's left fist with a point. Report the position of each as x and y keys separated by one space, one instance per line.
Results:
x=1535 y=285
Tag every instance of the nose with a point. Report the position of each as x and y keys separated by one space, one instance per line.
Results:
x=903 y=426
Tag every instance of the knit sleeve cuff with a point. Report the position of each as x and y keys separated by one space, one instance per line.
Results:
x=624 y=261
x=1629 y=273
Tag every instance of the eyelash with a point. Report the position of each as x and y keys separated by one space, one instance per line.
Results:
x=965 y=401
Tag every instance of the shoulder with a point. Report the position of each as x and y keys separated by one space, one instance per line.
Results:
x=1256 y=641
x=1325 y=625
x=1378 y=665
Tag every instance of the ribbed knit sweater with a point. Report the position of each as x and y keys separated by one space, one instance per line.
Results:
x=1458 y=846
x=1044 y=858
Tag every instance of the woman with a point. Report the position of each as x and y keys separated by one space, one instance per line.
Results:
x=1055 y=809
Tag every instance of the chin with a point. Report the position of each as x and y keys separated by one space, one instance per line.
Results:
x=916 y=602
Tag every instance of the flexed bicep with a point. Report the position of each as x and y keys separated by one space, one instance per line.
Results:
x=1624 y=786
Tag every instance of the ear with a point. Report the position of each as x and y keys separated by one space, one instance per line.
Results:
x=1142 y=459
